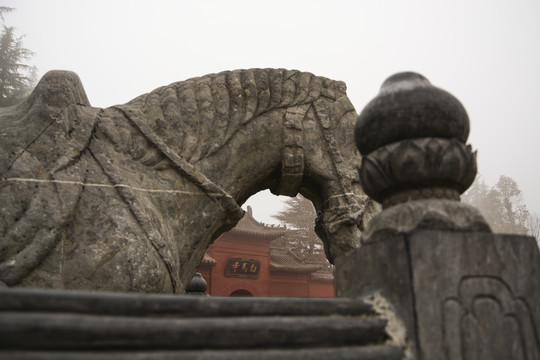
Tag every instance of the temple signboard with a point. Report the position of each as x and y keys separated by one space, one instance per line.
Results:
x=242 y=267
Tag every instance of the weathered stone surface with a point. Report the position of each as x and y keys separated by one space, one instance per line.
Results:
x=453 y=289
x=407 y=107
x=424 y=214
x=415 y=161
x=404 y=167
x=380 y=268
x=197 y=286
x=129 y=197
x=376 y=352
x=461 y=295
x=74 y=325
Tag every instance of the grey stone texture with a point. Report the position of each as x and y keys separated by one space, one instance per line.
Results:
x=197 y=286
x=416 y=163
x=452 y=288
x=128 y=198
x=461 y=295
x=83 y=325
x=408 y=106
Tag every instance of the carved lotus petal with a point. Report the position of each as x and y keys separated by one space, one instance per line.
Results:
x=406 y=161
x=415 y=164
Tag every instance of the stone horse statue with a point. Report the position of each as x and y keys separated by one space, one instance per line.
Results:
x=128 y=198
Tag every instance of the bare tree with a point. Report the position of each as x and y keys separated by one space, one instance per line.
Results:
x=533 y=226
x=502 y=204
x=514 y=212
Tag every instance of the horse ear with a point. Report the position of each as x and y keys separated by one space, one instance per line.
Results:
x=58 y=89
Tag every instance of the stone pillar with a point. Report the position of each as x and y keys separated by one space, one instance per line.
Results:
x=454 y=289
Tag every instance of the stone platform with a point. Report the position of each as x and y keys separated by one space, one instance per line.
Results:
x=47 y=324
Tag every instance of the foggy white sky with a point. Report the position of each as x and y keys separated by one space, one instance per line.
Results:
x=486 y=53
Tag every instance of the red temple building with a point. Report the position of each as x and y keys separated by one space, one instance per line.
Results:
x=242 y=262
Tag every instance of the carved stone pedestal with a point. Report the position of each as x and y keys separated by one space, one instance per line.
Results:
x=449 y=287
x=459 y=295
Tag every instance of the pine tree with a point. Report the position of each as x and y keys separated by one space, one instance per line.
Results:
x=16 y=78
x=299 y=213
x=299 y=216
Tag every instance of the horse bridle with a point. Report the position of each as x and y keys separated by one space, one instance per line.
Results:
x=292 y=161
x=292 y=156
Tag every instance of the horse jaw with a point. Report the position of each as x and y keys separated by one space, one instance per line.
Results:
x=340 y=227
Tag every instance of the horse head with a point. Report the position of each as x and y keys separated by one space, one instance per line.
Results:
x=324 y=164
x=331 y=178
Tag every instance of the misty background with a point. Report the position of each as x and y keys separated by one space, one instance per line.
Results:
x=486 y=53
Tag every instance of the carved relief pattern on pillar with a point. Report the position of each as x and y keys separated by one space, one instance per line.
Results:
x=485 y=320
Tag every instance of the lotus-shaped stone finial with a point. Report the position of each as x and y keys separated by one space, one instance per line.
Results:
x=412 y=137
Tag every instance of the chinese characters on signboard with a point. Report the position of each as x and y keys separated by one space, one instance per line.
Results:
x=241 y=267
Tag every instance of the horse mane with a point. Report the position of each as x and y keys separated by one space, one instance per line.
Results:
x=200 y=115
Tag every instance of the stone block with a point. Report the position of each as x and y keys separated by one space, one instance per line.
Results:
x=460 y=295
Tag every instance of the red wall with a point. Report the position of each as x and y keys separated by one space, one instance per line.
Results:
x=243 y=247
x=321 y=289
x=289 y=284
x=283 y=284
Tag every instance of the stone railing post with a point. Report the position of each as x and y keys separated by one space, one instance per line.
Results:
x=450 y=288
x=197 y=285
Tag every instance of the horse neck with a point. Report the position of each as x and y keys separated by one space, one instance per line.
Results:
x=229 y=125
x=251 y=160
